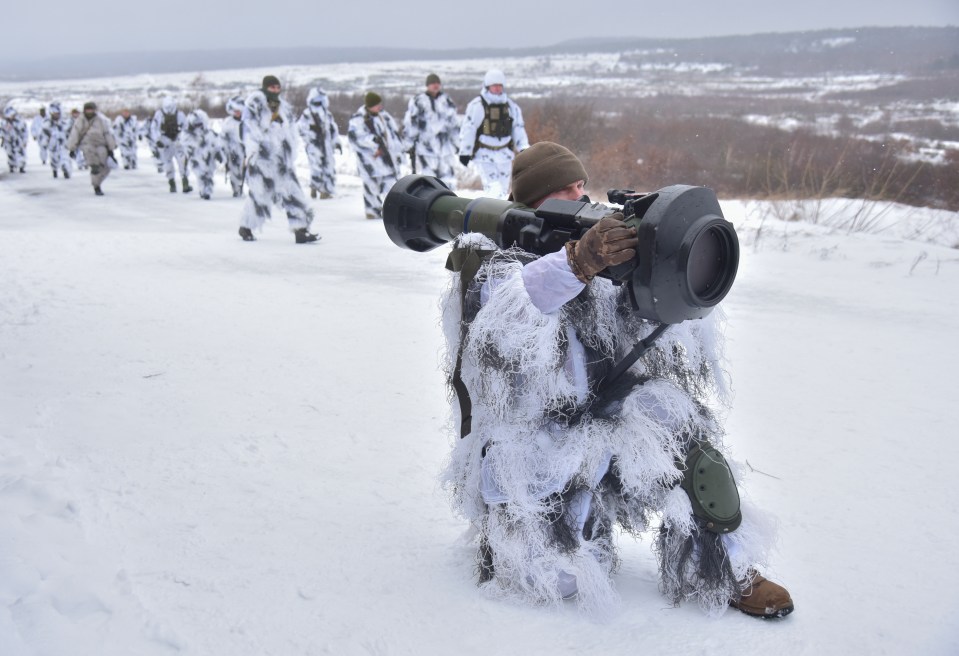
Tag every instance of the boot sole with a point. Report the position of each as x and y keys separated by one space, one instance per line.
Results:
x=774 y=615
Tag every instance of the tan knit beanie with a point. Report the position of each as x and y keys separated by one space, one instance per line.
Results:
x=541 y=169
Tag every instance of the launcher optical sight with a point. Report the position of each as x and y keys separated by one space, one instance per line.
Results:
x=685 y=264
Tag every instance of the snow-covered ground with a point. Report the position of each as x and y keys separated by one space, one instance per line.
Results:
x=216 y=447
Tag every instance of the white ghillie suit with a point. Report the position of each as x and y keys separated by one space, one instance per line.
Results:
x=492 y=139
x=320 y=135
x=431 y=129
x=145 y=130
x=379 y=150
x=14 y=132
x=127 y=131
x=202 y=146
x=55 y=131
x=550 y=467
x=270 y=143
x=231 y=145
x=167 y=126
x=36 y=131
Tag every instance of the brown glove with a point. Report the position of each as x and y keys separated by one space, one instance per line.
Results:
x=608 y=243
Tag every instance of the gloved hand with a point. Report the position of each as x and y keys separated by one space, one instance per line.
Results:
x=465 y=160
x=73 y=154
x=608 y=243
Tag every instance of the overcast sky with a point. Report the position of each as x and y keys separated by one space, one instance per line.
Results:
x=56 y=27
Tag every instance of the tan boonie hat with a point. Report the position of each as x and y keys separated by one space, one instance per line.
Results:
x=541 y=169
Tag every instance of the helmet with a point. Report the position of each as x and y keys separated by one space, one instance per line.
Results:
x=198 y=118
x=9 y=111
x=168 y=105
x=494 y=76
x=234 y=104
x=54 y=108
x=317 y=97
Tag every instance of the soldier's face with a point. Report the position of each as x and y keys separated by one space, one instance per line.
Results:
x=273 y=88
x=433 y=88
x=570 y=192
x=238 y=114
x=495 y=89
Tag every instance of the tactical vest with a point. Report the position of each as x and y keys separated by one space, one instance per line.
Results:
x=170 y=126
x=496 y=120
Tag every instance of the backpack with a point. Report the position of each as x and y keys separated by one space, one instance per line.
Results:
x=170 y=127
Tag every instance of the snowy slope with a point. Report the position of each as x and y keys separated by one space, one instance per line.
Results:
x=216 y=447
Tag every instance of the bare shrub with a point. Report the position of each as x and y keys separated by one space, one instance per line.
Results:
x=646 y=150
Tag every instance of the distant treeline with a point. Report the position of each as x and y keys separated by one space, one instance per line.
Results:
x=891 y=49
x=649 y=150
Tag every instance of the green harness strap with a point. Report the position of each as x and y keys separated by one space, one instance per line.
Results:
x=466 y=262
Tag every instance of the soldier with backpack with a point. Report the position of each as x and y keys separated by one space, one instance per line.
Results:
x=492 y=133
x=168 y=123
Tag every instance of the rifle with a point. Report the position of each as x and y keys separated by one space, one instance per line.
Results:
x=381 y=143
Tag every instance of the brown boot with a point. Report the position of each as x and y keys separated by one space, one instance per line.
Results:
x=763 y=598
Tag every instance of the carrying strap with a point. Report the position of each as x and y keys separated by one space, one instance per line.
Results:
x=83 y=134
x=466 y=262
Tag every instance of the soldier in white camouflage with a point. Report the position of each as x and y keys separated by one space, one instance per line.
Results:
x=231 y=144
x=379 y=149
x=492 y=133
x=127 y=130
x=270 y=143
x=202 y=146
x=167 y=126
x=321 y=136
x=55 y=131
x=36 y=131
x=431 y=129
x=14 y=134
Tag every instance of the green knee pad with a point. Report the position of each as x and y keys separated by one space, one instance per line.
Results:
x=711 y=489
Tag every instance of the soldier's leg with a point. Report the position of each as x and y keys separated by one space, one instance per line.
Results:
x=294 y=201
x=166 y=161
x=327 y=177
x=257 y=208
x=371 y=189
x=444 y=171
x=381 y=188
x=494 y=168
